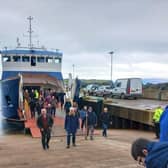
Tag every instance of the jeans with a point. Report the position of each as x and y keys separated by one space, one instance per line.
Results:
x=104 y=126
x=90 y=128
x=69 y=138
x=53 y=111
x=45 y=138
x=83 y=123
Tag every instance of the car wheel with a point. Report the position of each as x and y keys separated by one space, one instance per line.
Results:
x=122 y=96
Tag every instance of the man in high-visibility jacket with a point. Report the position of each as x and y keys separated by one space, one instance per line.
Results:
x=36 y=94
x=156 y=119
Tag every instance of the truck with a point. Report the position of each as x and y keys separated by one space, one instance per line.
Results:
x=127 y=87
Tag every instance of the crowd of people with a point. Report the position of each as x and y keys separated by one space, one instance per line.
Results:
x=84 y=119
x=48 y=99
x=148 y=154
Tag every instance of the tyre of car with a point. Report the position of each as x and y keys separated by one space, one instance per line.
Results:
x=122 y=96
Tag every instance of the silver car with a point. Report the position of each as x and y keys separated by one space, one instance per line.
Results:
x=104 y=90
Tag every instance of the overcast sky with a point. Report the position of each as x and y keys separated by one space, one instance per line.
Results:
x=86 y=30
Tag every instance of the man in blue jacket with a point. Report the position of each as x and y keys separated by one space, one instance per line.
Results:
x=71 y=126
x=91 y=121
x=150 y=154
x=164 y=125
x=83 y=114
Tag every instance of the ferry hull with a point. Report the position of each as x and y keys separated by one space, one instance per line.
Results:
x=10 y=98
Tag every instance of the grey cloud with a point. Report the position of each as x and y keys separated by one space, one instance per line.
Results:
x=136 y=30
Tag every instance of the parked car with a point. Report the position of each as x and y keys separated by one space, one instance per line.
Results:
x=127 y=87
x=90 y=88
x=104 y=90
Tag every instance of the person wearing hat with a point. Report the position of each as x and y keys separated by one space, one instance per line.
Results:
x=150 y=154
x=71 y=126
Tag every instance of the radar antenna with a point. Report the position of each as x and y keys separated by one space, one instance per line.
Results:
x=30 y=31
x=18 y=42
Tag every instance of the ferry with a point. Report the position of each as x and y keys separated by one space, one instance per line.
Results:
x=28 y=68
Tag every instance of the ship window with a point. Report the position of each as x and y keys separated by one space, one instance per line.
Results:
x=25 y=58
x=57 y=60
x=6 y=58
x=40 y=59
x=49 y=59
x=16 y=58
x=33 y=61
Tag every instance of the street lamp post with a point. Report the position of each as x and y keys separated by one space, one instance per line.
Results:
x=111 y=53
x=73 y=66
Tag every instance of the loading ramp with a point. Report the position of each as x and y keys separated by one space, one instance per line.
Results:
x=31 y=125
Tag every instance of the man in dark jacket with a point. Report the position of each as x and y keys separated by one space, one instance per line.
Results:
x=150 y=154
x=91 y=121
x=105 y=118
x=67 y=106
x=164 y=125
x=45 y=123
x=71 y=126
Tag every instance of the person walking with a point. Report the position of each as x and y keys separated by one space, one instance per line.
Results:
x=83 y=113
x=91 y=122
x=71 y=126
x=105 y=119
x=53 y=106
x=45 y=123
x=156 y=119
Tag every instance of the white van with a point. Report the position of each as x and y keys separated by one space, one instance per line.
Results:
x=127 y=87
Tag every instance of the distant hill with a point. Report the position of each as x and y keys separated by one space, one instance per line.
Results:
x=85 y=82
x=154 y=80
x=146 y=81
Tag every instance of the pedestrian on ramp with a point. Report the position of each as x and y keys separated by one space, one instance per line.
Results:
x=45 y=123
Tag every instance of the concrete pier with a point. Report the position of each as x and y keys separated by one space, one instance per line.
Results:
x=20 y=151
x=134 y=114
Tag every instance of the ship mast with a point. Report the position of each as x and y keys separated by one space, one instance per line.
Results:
x=30 y=31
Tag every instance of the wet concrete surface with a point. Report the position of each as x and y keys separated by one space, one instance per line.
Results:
x=20 y=151
x=143 y=104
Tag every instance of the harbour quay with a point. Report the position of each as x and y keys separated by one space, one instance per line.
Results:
x=23 y=151
x=110 y=152
x=126 y=114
